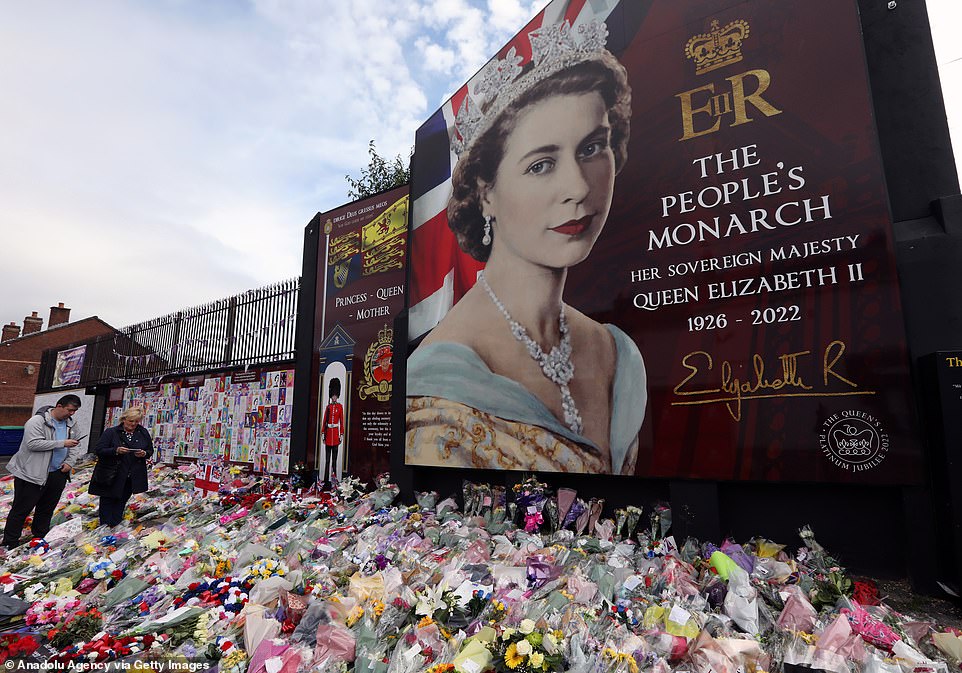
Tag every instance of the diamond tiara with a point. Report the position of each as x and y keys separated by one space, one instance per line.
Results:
x=502 y=81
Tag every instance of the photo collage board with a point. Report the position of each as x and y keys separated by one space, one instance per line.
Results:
x=240 y=417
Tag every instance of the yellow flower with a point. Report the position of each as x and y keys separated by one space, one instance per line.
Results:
x=511 y=657
x=536 y=659
x=356 y=613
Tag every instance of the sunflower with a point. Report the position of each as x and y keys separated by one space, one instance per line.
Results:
x=511 y=656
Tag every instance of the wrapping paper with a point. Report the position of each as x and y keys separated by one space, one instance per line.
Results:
x=268 y=591
x=798 y=613
x=723 y=564
x=258 y=627
x=334 y=642
x=871 y=630
x=836 y=645
x=268 y=649
x=950 y=644
x=741 y=601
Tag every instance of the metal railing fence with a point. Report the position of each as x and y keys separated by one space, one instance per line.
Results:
x=250 y=328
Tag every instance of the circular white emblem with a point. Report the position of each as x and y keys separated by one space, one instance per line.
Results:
x=854 y=440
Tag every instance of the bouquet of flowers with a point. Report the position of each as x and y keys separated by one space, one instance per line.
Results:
x=427 y=500
x=231 y=594
x=530 y=497
x=578 y=507
x=384 y=495
x=471 y=493
x=660 y=521
x=103 y=569
x=527 y=650
x=35 y=592
x=80 y=628
x=301 y=476
x=633 y=516
x=52 y=610
x=231 y=657
x=106 y=648
x=264 y=568
x=17 y=645
x=350 y=488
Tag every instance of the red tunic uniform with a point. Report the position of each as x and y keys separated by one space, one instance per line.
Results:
x=333 y=424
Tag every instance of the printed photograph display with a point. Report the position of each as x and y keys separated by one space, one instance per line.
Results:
x=242 y=417
x=70 y=364
x=652 y=238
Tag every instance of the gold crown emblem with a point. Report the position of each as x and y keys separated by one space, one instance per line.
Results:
x=718 y=47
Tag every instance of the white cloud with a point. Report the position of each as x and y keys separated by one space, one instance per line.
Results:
x=508 y=16
x=436 y=58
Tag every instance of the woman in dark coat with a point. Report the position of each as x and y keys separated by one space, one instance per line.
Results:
x=121 y=470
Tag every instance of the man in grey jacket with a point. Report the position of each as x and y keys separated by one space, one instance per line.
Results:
x=41 y=468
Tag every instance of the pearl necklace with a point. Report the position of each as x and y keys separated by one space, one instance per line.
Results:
x=555 y=365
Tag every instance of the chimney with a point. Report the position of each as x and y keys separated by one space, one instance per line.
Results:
x=32 y=324
x=58 y=315
x=11 y=331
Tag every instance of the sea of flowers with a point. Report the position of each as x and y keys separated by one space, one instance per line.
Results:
x=267 y=578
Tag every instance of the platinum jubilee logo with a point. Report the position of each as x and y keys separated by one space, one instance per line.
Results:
x=854 y=440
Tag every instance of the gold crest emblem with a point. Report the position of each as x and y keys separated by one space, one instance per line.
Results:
x=718 y=47
x=378 y=370
x=344 y=246
x=340 y=274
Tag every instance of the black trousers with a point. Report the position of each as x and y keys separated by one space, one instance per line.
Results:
x=112 y=509
x=29 y=497
x=330 y=463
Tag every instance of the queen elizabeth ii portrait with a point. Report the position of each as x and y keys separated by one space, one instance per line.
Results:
x=512 y=377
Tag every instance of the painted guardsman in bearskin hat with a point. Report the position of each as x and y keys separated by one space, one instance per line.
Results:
x=333 y=429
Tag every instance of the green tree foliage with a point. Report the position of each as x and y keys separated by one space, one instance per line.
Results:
x=379 y=175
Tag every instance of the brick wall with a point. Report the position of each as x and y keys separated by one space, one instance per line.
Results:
x=17 y=385
x=15 y=415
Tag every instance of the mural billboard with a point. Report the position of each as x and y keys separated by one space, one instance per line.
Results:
x=360 y=289
x=652 y=238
